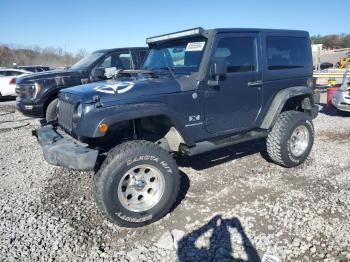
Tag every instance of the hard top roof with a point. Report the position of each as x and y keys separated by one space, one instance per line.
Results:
x=199 y=31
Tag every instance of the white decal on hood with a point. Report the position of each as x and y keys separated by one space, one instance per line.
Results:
x=116 y=88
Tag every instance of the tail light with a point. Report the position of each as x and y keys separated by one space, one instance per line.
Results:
x=13 y=81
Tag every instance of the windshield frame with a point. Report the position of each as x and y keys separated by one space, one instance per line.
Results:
x=172 y=44
x=87 y=61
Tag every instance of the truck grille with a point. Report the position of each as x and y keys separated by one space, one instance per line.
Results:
x=65 y=115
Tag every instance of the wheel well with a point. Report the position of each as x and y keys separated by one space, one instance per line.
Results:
x=48 y=101
x=297 y=103
x=158 y=129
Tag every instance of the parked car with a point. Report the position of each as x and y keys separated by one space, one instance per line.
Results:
x=326 y=65
x=8 y=78
x=37 y=94
x=341 y=97
x=198 y=90
x=35 y=68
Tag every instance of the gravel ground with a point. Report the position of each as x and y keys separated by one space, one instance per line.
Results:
x=235 y=205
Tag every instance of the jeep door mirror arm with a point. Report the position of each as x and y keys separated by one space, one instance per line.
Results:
x=218 y=71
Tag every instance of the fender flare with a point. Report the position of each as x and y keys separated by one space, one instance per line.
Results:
x=115 y=114
x=279 y=101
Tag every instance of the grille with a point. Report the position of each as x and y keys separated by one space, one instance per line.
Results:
x=65 y=115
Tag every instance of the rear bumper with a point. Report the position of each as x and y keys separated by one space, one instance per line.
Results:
x=29 y=108
x=62 y=150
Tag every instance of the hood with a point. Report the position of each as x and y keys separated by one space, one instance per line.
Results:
x=133 y=89
x=47 y=76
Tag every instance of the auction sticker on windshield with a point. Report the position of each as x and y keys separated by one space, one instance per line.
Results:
x=195 y=46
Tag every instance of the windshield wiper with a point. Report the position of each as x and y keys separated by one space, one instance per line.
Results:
x=167 y=66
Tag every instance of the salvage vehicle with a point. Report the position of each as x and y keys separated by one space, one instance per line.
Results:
x=341 y=97
x=8 y=78
x=37 y=94
x=198 y=90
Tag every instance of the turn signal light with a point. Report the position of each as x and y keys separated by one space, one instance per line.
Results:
x=103 y=127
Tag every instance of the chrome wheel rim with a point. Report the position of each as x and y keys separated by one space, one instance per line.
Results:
x=141 y=188
x=299 y=141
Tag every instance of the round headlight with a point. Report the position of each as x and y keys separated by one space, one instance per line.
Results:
x=80 y=110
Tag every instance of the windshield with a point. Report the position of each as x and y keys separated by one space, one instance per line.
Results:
x=181 y=56
x=86 y=61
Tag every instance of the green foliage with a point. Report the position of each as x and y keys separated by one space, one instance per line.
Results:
x=53 y=57
x=332 y=41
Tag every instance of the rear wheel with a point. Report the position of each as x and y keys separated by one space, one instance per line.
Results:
x=137 y=184
x=51 y=111
x=290 y=141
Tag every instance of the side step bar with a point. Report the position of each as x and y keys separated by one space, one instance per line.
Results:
x=206 y=146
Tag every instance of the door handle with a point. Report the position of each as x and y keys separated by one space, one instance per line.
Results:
x=255 y=83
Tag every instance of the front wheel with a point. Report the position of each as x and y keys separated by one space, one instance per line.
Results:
x=137 y=184
x=51 y=111
x=290 y=141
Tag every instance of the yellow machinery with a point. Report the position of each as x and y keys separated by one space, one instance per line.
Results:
x=344 y=61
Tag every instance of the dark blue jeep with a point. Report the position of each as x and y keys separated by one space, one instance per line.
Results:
x=198 y=90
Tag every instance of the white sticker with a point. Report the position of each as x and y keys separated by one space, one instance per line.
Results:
x=195 y=46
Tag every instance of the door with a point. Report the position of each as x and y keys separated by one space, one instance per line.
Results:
x=235 y=104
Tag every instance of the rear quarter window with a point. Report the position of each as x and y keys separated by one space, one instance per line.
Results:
x=287 y=52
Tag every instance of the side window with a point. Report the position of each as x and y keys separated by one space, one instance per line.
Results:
x=16 y=73
x=117 y=60
x=239 y=53
x=124 y=61
x=286 y=52
x=106 y=63
x=12 y=73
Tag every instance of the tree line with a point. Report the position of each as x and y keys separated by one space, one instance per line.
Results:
x=57 y=57
x=332 y=41
x=53 y=57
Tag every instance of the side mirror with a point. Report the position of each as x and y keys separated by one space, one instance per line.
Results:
x=218 y=71
x=99 y=74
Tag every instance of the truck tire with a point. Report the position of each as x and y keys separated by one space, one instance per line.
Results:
x=137 y=184
x=51 y=111
x=290 y=141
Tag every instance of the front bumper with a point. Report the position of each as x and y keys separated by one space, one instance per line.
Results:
x=29 y=108
x=341 y=101
x=60 y=149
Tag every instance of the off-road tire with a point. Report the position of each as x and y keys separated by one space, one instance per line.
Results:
x=278 y=140
x=51 y=111
x=118 y=161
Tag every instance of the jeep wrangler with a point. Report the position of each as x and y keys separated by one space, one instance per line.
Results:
x=198 y=90
x=37 y=93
